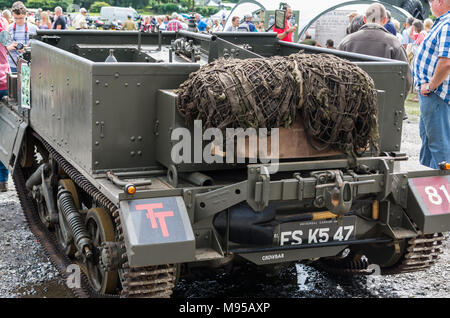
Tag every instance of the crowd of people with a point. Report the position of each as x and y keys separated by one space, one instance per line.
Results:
x=21 y=25
x=424 y=45
x=40 y=19
x=176 y=21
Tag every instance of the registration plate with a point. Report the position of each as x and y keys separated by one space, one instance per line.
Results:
x=316 y=232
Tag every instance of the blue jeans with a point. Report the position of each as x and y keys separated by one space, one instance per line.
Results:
x=3 y=93
x=434 y=130
x=3 y=173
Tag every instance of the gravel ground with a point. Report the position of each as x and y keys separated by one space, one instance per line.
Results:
x=411 y=143
x=23 y=264
x=26 y=272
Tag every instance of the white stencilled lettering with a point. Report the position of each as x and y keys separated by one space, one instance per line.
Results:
x=272 y=257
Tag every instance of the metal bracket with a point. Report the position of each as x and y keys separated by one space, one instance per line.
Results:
x=41 y=187
x=172 y=175
x=265 y=178
x=212 y=202
x=50 y=39
x=384 y=167
x=337 y=196
x=301 y=186
x=400 y=189
x=258 y=187
x=48 y=194
x=120 y=183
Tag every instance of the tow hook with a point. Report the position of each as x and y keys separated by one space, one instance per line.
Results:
x=337 y=197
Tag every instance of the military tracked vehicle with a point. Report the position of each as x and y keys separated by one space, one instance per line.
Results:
x=89 y=146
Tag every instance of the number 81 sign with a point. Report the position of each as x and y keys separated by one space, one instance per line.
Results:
x=435 y=193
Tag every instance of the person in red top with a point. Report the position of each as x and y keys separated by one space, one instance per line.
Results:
x=286 y=33
x=4 y=65
x=418 y=31
x=4 y=69
x=174 y=24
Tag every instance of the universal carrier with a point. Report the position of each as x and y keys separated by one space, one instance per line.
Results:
x=89 y=146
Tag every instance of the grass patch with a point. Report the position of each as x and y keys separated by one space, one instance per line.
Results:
x=412 y=107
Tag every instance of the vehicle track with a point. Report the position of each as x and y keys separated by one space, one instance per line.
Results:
x=149 y=281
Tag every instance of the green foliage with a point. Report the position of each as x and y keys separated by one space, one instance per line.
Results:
x=189 y=4
x=51 y=4
x=206 y=11
x=166 y=8
x=5 y=4
x=136 y=4
x=88 y=3
x=47 y=4
x=158 y=6
x=97 y=5
x=139 y=4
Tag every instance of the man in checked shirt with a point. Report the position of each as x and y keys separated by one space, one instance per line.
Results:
x=431 y=71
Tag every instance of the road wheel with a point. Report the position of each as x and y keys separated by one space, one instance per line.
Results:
x=100 y=229
x=385 y=255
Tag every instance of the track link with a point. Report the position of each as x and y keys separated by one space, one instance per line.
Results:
x=421 y=253
x=45 y=238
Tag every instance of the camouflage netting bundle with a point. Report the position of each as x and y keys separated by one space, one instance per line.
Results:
x=334 y=97
x=231 y=93
x=338 y=102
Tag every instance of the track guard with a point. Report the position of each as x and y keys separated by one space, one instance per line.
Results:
x=157 y=231
x=429 y=203
x=12 y=132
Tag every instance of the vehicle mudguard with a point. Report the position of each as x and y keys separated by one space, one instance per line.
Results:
x=12 y=132
x=428 y=202
x=157 y=231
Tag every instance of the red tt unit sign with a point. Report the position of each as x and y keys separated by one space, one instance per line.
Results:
x=157 y=220
x=157 y=231
x=435 y=193
x=154 y=216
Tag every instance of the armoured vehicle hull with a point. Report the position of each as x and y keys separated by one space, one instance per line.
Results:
x=89 y=145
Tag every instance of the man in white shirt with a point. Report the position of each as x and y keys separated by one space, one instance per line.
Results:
x=405 y=34
x=217 y=27
x=80 y=20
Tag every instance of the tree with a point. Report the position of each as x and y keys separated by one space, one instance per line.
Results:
x=46 y=4
x=190 y=4
x=97 y=5
x=5 y=4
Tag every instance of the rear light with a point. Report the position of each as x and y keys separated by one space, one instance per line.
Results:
x=130 y=189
